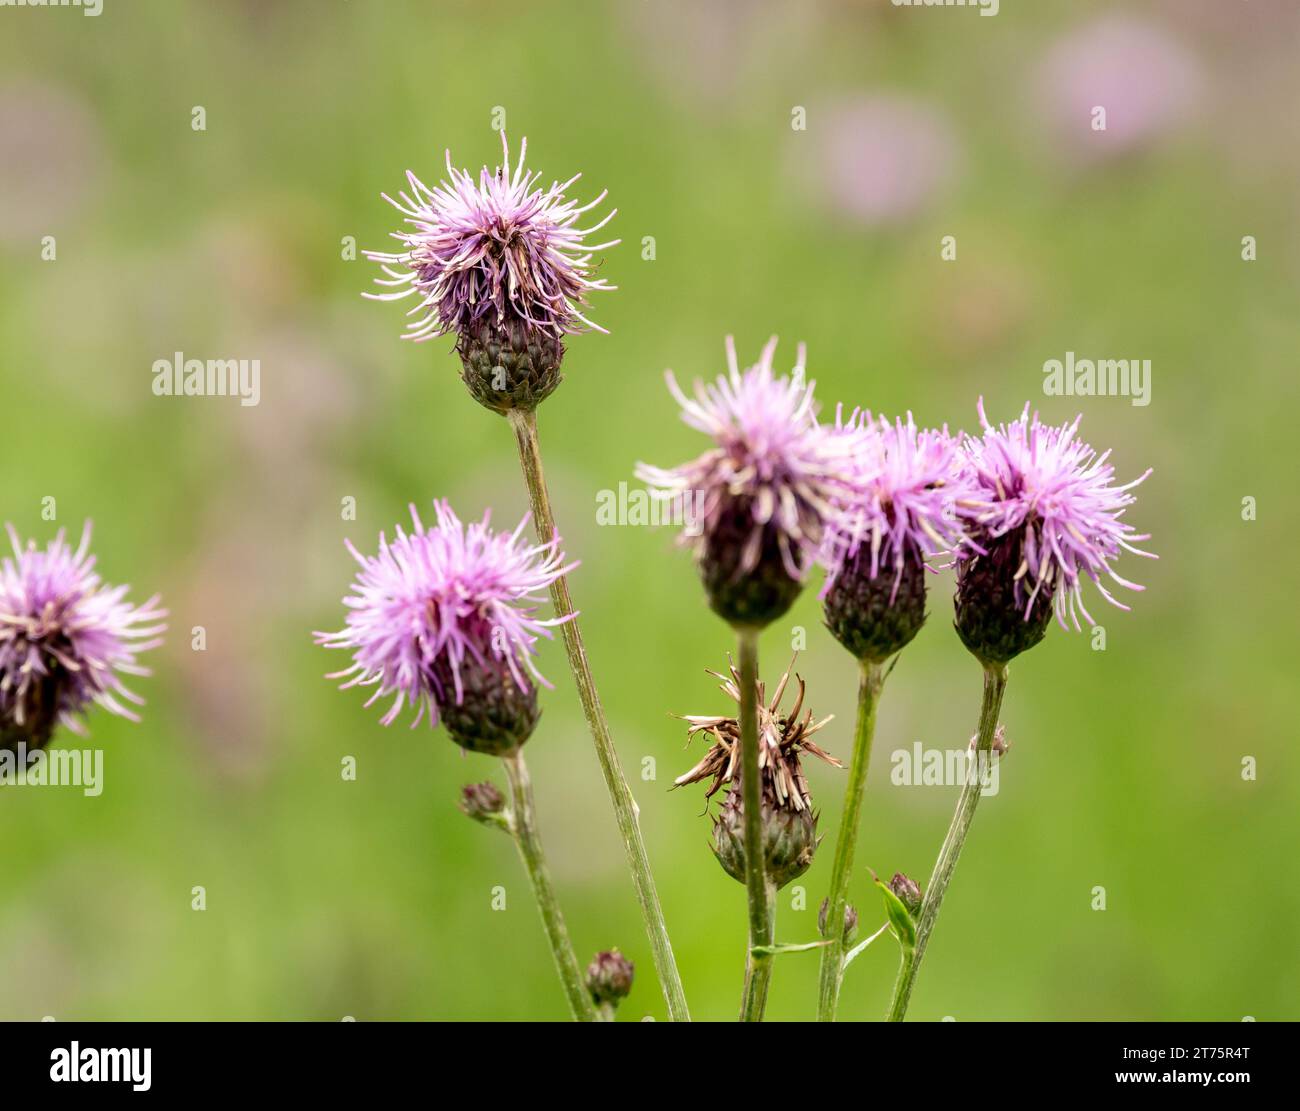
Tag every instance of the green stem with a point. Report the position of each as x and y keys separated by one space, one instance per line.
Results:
x=524 y=424
x=761 y=894
x=523 y=827
x=995 y=685
x=872 y=678
x=758 y=963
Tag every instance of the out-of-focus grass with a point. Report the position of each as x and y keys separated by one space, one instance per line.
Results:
x=373 y=898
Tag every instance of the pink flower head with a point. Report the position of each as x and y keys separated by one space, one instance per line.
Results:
x=436 y=599
x=1043 y=479
x=904 y=497
x=771 y=455
x=503 y=247
x=66 y=639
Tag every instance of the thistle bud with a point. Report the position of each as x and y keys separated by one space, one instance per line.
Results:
x=609 y=978
x=509 y=365
x=908 y=892
x=850 y=920
x=743 y=589
x=995 y=618
x=874 y=616
x=483 y=803
x=493 y=714
x=789 y=840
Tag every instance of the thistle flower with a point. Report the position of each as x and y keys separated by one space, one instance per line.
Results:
x=901 y=513
x=443 y=620
x=789 y=824
x=503 y=265
x=763 y=493
x=1043 y=513
x=66 y=638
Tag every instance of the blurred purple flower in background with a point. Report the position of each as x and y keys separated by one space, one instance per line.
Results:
x=880 y=159
x=66 y=639
x=1146 y=80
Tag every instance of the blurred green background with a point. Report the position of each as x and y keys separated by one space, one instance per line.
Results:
x=372 y=898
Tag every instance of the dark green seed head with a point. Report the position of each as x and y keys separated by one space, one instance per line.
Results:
x=40 y=717
x=509 y=366
x=493 y=716
x=991 y=618
x=867 y=614
x=755 y=597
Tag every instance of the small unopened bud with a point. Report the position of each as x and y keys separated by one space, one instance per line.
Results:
x=483 y=803
x=908 y=892
x=609 y=978
x=999 y=745
x=850 y=920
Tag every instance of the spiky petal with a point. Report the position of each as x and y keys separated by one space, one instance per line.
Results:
x=762 y=495
x=445 y=611
x=499 y=250
x=903 y=504
x=66 y=640
x=1049 y=491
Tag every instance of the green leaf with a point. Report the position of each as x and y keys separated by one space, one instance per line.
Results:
x=900 y=918
x=787 y=947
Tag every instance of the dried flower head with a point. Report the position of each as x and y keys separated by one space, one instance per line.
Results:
x=789 y=824
x=66 y=639
x=1043 y=513
x=444 y=619
x=764 y=492
x=500 y=250
x=781 y=738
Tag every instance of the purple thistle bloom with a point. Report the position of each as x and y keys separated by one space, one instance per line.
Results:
x=1044 y=481
x=66 y=639
x=773 y=463
x=904 y=497
x=438 y=601
x=502 y=250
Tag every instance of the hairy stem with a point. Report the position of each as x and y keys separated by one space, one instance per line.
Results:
x=761 y=894
x=523 y=827
x=524 y=424
x=832 y=970
x=995 y=684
